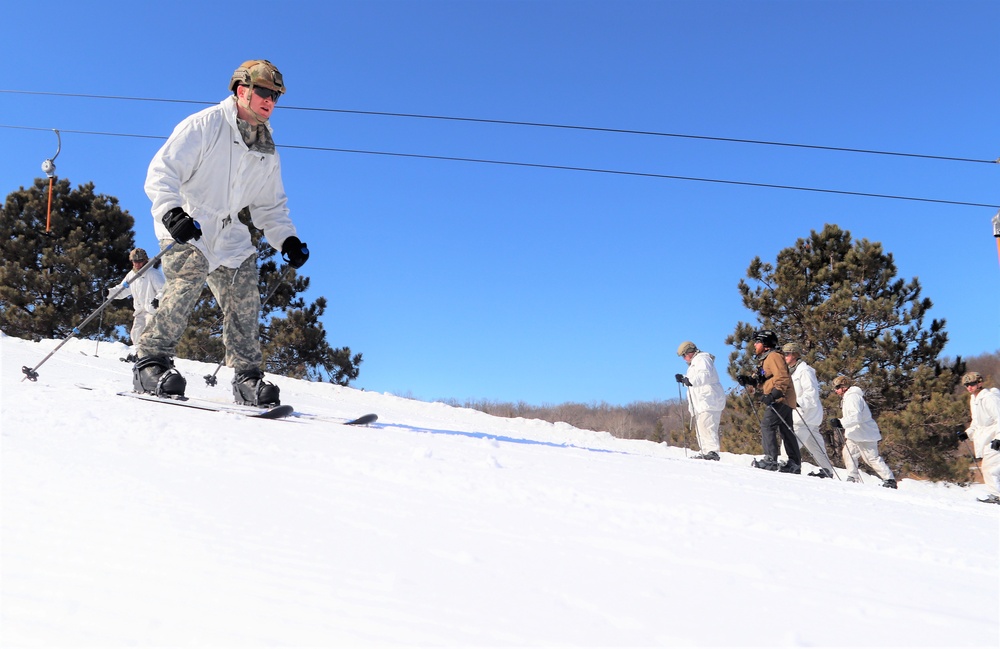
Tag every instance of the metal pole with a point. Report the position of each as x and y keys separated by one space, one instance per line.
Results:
x=31 y=373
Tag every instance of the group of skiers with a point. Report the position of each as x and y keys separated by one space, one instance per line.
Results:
x=215 y=163
x=789 y=392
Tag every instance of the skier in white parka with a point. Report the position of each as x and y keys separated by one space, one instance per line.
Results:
x=984 y=405
x=706 y=398
x=808 y=413
x=146 y=290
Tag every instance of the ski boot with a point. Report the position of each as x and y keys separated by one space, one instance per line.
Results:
x=822 y=473
x=250 y=389
x=711 y=455
x=890 y=483
x=156 y=375
x=767 y=463
x=790 y=467
x=990 y=499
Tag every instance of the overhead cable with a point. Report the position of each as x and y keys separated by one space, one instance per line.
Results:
x=536 y=165
x=537 y=125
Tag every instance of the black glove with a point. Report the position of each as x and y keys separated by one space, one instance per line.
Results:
x=961 y=434
x=745 y=380
x=155 y=303
x=682 y=379
x=294 y=252
x=774 y=396
x=995 y=445
x=181 y=226
x=835 y=423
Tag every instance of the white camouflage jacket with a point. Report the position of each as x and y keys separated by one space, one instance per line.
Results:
x=206 y=169
x=705 y=393
x=857 y=418
x=985 y=427
x=808 y=406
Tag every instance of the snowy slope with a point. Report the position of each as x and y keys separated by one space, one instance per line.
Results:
x=140 y=524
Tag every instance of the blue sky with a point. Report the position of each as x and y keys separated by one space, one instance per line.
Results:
x=484 y=281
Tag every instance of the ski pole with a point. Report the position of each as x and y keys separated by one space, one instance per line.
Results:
x=31 y=373
x=210 y=379
x=843 y=444
x=819 y=440
x=684 y=419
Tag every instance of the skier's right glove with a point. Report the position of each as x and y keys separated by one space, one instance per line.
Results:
x=774 y=396
x=181 y=226
x=995 y=445
x=835 y=423
x=682 y=379
x=295 y=252
x=961 y=434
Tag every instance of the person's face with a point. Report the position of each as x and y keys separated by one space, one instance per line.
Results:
x=137 y=264
x=841 y=390
x=790 y=359
x=758 y=347
x=973 y=388
x=260 y=101
x=688 y=356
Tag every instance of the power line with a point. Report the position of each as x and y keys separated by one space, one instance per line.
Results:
x=505 y=122
x=536 y=165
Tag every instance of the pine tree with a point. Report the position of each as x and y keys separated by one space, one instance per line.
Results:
x=840 y=300
x=51 y=281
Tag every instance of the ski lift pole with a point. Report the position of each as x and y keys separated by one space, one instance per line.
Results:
x=996 y=230
x=210 y=379
x=49 y=167
x=31 y=373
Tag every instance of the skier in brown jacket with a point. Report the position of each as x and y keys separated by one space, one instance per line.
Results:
x=778 y=396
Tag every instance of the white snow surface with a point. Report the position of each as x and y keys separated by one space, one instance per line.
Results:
x=127 y=523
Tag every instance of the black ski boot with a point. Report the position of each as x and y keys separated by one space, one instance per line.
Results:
x=156 y=375
x=790 y=467
x=711 y=455
x=767 y=463
x=822 y=473
x=250 y=389
x=890 y=483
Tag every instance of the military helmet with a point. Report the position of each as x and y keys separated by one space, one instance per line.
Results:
x=686 y=347
x=138 y=255
x=972 y=378
x=257 y=72
x=766 y=337
x=841 y=382
x=791 y=348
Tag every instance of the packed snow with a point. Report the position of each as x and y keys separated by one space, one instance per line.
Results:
x=128 y=523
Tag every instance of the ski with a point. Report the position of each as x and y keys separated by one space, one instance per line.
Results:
x=277 y=412
x=363 y=420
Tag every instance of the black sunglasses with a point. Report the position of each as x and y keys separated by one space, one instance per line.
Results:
x=266 y=93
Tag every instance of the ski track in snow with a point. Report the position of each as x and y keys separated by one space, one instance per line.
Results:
x=126 y=523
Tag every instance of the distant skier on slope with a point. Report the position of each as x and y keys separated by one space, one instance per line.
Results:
x=984 y=405
x=215 y=163
x=706 y=399
x=146 y=291
x=808 y=413
x=861 y=433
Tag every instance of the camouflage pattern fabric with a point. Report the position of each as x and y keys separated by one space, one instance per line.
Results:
x=235 y=289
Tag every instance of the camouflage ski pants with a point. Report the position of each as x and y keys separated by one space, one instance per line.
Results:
x=235 y=289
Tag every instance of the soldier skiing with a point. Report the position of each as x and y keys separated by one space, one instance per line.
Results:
x=984 y=406
x=808 y=413
x=216 y=162
x=778 y=396
x=146 y=291
x=861 y=433
x=706 y=399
